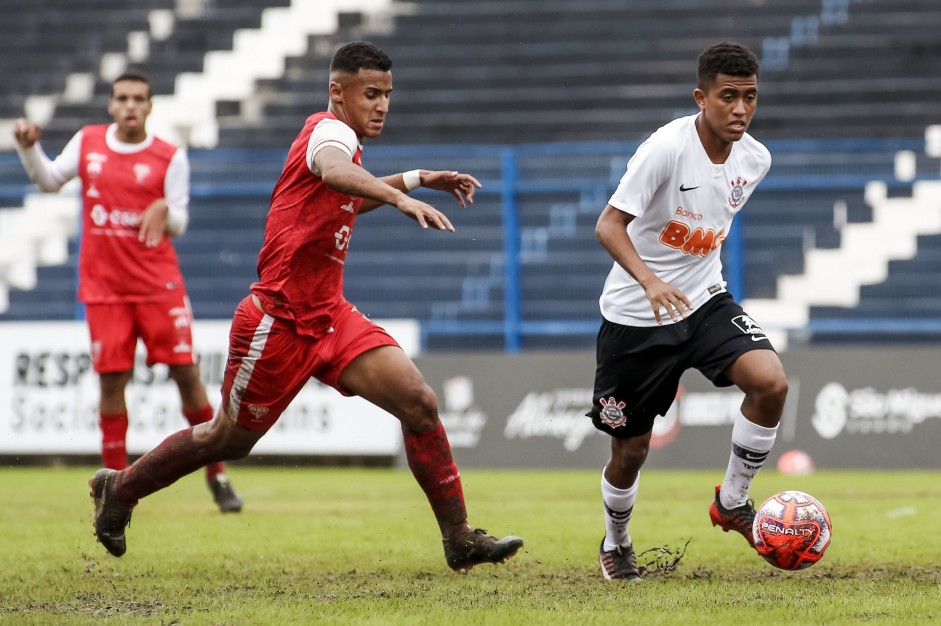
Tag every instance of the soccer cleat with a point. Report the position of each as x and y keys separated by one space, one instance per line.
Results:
x=618 y=564
x=473 y=546
x=738 y=519
x=111 y=515
x=227 y=499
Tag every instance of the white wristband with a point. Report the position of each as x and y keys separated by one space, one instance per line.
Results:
x=412 y=179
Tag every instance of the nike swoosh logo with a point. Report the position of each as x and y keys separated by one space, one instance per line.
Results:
x=759 y=338
x=685 y=188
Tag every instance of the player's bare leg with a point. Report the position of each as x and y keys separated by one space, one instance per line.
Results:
x=197 y=410
x=386 y=377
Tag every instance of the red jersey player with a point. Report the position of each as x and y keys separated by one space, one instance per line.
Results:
x=135 y=191
x=296 y=324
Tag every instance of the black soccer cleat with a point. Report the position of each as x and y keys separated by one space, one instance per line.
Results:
x=473 y=546
x=227 y=499
x=739 y=519
x=111 y=515
x=619 y=563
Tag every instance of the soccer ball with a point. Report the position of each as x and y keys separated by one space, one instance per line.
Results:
x=791 y=530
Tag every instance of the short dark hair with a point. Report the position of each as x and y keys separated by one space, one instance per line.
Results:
x=727 y=58
x=136 y=77
x=360 y=55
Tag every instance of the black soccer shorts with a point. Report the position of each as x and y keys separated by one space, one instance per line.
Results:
x=639 y=367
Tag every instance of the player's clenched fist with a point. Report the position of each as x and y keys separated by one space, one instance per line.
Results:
x=25 y=133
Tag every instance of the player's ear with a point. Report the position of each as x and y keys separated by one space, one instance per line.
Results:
x=700 y=97
x=336 y=91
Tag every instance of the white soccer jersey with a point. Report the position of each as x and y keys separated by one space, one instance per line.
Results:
x=683 y=205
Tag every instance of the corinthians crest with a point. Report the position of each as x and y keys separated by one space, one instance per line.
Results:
x=612 y=412
x=737 y=197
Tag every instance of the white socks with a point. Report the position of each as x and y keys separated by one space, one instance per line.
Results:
x=751 y=444
x=618 y=506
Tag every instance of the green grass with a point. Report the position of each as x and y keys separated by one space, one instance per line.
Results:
x=360 y=546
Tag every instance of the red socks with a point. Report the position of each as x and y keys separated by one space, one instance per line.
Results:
x=113 y=438
x=200 y=416
x=175 y=457
x=429 y=458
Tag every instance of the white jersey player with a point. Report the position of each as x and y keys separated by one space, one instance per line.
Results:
x=682 y=204
x=665 y=308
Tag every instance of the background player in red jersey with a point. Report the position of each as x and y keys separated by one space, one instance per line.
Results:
x=135 y=192
x=296 y=324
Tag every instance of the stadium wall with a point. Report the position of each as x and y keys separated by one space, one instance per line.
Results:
x=859 y=407
x=49 y=398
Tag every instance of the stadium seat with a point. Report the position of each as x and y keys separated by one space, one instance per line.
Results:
x=475 y=77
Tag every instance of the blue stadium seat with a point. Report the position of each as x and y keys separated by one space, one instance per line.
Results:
x=473 y=76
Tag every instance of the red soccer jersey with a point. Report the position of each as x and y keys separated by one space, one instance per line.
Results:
x=307 y=234
x=116 y=188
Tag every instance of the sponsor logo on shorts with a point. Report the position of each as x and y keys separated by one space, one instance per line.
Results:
x=181 y=317
x=258 y=412
x=612 y=412
x=182 y=348
x=748 y=326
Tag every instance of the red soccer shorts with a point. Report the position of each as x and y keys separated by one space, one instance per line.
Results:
x=269 y=362
x=165 y=328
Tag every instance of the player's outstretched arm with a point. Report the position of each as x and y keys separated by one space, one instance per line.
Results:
x=341 y=174
x=461 y=186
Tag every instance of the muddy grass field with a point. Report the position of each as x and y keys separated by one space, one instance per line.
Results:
x=360 y=546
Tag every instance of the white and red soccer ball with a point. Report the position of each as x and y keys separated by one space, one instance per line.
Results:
x=791 y=530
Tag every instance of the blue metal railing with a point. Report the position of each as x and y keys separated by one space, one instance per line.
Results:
x=512 y=299
x=588 y=170
x=812 y=176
